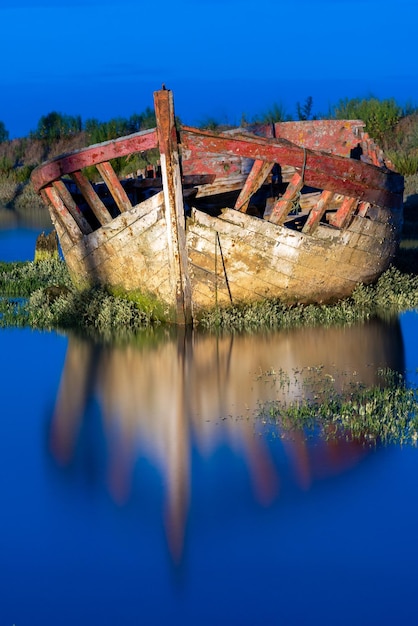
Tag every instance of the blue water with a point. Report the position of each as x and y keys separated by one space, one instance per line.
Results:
x=136 y=487
x=18 y=245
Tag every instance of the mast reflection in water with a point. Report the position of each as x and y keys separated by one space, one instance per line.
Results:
x=179 y=401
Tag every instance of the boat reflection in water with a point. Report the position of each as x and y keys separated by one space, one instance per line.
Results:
x=160 y=400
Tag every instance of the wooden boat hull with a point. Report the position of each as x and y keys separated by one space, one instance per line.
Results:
x=233 y=258
x=185 y=257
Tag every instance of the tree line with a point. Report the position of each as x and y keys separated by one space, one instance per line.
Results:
x=382 y=120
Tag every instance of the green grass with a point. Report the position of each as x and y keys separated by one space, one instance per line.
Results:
x=42 y=296
x=394 y=292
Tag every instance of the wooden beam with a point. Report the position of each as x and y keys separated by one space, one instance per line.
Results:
x=258 y=174
x=72 y=207
x=123 y=146
x=282 y=207
x=342 y=217
x=363 y=207
x=91 y=198
x=59 y=210
x=324 y=171
x=317 y=212
x=119 y=195
x=174 y=208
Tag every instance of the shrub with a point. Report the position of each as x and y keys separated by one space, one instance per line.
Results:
x=55 y=125
x=276 y=113
x=405 y=163
x=4 y=134
x=380 y=116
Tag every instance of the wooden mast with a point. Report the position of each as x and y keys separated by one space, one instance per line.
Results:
x=174 y=208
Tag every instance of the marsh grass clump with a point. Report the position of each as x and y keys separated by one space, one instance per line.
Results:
x=384 y=413
x=41 y=295
x=93 y=312
x=394 y=292
x=20 y=278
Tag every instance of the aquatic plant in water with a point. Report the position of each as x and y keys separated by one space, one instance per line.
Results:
x=382 y=414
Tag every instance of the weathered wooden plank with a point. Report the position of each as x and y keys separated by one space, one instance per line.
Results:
x=91 y=197
x=362 y=209
x=53 y=199
x=317 y=212
x=221 y=185
x=258 y=174
x=124 y=231
x=98 y=153
x=119 y=195
x=72 y=207
x=173 y=199
x=217 y=165
x=341 y=218
x=321 y=170
x=254 y=252
x=333 y=136
x=283 y=206
x=320 y=265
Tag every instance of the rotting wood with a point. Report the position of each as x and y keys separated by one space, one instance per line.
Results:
x=92 y=155
x=174 y=208
x=362 y=208
x=342 y=217
x=258 y=174
x=91 y=197
x=119 y=195
x=59 y=210
x=338 y=137
x=317 y=212
x=321 y=170
x=72 y=207
x=146 y=247
x=282 y=207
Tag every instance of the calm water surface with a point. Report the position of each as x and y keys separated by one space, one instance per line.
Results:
x=138 y=487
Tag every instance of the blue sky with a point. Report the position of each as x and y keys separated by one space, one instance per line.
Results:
x=222 y=59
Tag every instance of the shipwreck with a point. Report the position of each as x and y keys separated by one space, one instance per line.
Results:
x=299 y=211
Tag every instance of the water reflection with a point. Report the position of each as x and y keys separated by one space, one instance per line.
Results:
x=31 y=217
x=159 y=399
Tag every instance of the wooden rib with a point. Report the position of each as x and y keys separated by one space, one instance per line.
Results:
x=324 y=171
x=363 y=207
x=283 y=206
x=52 y=198
x=119 y=195
x=258 y=174
x=72 y=207
x=344 y=213
x=123 y=146
x=91 y=198
x=317 y=212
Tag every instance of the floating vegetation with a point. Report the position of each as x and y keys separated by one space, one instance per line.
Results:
x=382 y=414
